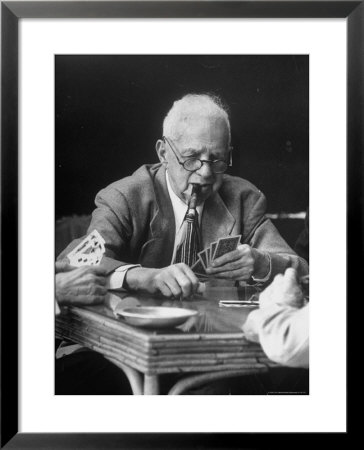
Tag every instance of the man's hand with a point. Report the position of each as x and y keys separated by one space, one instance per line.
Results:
x=176 y=280
x=80 y=286
x=240 y=264
x=284 y=290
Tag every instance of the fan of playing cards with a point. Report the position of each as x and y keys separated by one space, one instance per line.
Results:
x=88 y=252
x=214 y=251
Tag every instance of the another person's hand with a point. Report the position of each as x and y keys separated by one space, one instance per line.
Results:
x=240 y=264
x=284 y=290
x=80 y=285
x=176 y=280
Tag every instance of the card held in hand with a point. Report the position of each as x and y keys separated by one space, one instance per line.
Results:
x=213 y=246
x=199 y=269
x=226 y=245
x=89 y=251
x=203 y=256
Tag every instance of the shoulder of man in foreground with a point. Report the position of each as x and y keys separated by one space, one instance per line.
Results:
x=283 y=333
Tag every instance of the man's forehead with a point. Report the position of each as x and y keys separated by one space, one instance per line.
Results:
x=202 y=132
x=198 y=146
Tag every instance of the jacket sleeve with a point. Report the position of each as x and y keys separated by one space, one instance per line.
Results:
x=112 y=220
x=261 y=234
x=282 y=332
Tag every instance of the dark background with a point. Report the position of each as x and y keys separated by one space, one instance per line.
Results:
x=110 y=109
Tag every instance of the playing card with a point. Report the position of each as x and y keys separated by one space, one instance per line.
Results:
x=85 y=260
x=226 y=245
x=89 y=252
x=92 y=243
x=208 y=256
x=204 y=258
x=81 y=247
x=96 y=248
x=97 y=243
x=213 y=246
x=79 y=260
x=199 y=269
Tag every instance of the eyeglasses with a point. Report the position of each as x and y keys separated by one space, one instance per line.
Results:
x=193 y=164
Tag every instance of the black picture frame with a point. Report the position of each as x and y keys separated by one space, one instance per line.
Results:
x=11 y=12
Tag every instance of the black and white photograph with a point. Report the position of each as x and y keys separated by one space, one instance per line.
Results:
x=178 y=178
x=182 y=224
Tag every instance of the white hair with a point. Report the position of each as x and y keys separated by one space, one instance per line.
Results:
x=192 y=105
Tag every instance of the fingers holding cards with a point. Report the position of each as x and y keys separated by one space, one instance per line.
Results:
x=226 y=245
x=214 y=251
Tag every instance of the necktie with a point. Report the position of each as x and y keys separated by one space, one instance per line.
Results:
x=188 y=238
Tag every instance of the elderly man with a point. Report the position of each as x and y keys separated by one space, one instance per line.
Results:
x=139 y=216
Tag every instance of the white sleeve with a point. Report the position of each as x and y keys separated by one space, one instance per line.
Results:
x=283 y=333
x=266 y=278
x=116 y=279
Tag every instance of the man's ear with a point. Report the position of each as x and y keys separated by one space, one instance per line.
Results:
x=161 y=151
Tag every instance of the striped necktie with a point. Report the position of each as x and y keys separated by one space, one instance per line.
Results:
x=188 y=237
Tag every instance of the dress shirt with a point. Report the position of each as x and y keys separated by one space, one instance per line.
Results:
x=116 y=279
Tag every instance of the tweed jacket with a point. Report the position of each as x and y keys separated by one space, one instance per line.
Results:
x=135 y=217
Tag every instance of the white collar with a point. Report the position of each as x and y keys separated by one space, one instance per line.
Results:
x=179 y=206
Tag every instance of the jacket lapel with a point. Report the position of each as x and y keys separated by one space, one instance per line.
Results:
x=157 y=252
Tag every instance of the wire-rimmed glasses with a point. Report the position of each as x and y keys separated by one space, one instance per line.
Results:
x=193 y=164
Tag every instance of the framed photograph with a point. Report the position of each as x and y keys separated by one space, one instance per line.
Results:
x=53 y=54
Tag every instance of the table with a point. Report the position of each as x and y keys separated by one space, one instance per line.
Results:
x=210 y=345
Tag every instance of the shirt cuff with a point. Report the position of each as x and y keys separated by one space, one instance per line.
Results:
x=116 y=279
x=266 y=278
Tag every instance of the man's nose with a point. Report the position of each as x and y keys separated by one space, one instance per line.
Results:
x=205 y=171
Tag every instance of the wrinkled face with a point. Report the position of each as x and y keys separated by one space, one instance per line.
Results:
x=205 y=138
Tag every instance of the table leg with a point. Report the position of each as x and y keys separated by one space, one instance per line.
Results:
x=134 y=377
x=151 y=385
x=193 y=381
